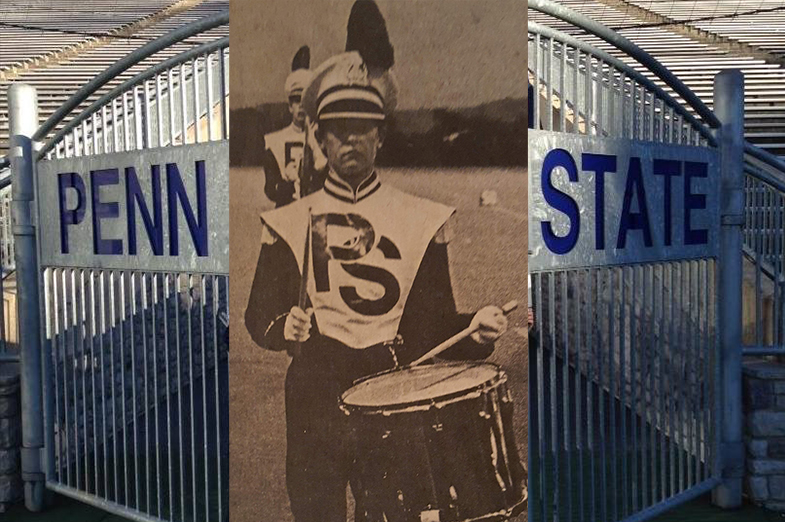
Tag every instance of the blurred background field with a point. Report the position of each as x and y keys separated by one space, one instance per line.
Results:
x=488 y=266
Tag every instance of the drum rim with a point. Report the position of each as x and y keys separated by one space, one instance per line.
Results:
x=499 y=378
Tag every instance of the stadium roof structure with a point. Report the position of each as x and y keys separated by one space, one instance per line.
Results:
x=695 y=39
x=60 y=45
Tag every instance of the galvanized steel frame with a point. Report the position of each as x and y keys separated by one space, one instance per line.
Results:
x=76 y=318
x=717 y=463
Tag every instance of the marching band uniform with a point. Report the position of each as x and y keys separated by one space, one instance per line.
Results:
x=285 y=148
x=378 y=272
x=410 y=245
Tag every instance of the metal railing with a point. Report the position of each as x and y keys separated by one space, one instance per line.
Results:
x=135 y=377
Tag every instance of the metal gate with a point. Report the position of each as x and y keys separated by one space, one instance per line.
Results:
x=133 y=327
x=626 y=367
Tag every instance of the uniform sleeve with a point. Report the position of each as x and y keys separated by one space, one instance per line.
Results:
x=274 y=291
x=430 y=315
x=275 y=188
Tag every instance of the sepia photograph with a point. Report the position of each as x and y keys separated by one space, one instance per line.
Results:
x=378 y=369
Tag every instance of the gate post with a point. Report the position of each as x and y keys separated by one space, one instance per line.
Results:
x=23 y=122
x=729 y=108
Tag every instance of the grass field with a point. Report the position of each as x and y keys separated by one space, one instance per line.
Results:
x=488 y=266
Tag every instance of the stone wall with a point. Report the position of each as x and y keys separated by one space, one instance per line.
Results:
x=10 y=436
x=764 y=413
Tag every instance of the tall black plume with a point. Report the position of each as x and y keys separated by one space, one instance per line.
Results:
x=366 y=33
x=302 y=59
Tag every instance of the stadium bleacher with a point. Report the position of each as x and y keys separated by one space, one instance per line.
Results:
x=696 y=62
x=125 y=26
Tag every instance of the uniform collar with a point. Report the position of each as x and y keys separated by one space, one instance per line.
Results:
x=295 y=128
x=339 y=189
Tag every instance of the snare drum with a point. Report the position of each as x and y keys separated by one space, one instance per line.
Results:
x=435 y=443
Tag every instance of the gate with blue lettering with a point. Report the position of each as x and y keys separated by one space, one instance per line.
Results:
x=634 y=230
x=122 y=218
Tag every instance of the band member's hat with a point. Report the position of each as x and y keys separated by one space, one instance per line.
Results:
x=357 y=83
x=300 y=77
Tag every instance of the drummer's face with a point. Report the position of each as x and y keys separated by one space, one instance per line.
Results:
x=351 y=145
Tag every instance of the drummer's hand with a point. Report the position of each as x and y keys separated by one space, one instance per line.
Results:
x=298 y=324
x=492 y=323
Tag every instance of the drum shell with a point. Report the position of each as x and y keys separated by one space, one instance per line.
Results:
x=456 y=455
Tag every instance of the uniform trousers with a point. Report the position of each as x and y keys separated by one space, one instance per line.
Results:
x=320 y=454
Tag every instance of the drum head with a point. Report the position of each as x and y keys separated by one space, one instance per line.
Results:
x=419 y=384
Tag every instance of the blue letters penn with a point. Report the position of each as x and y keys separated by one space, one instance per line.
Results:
x=103 y=210
x=635 y=213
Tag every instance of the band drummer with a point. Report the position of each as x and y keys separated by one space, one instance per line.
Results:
x=290 y=170
x=378 y=281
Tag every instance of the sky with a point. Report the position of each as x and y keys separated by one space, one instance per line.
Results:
x=448 y=53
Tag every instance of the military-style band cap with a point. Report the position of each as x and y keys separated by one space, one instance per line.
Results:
x=297 y=81
x=355 y=101
x=344 y=87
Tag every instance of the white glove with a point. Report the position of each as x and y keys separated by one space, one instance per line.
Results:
x=492 y=323
x=298 y=324
x=292 y=170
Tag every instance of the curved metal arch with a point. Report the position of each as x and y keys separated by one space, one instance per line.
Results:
x=173 y=37
x=669 y=100
x=568 y=15
x=183 y=57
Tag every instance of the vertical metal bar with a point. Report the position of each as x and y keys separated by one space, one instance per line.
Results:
x=672 y=342
x=562 y=92
x=548 y=59
x=183 y=104
x=579 y=427
x=536 y=89
x=126 y=125
x=224 y=105
x=566 y=393
x=146 y=407
x=729 y=108
x=591 y=325
x=85 y=140
x=209 y=88
x=23 y=123
x=169 y=440
x=115 y=127
x=664 y=469
x=191 y=387
x=140 y=119
x=625 y=480
x=601 y=403
x=202 y=311
x=102 y=345
x=172 y=98
x=157 y=397
x=148 y=124
x=159 y=110
x=638 y=464
x=219 y=467
x=612 y=392
x=180 y=423
x=122 y=383
x=58 y=348
x=554 y=434
x=197 y=110
x=131 y=318
x=74 y=362
x=105 y=127
x=95 y=132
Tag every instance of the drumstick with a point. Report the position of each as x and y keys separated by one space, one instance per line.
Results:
x=460 y=336
x=303 y=297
